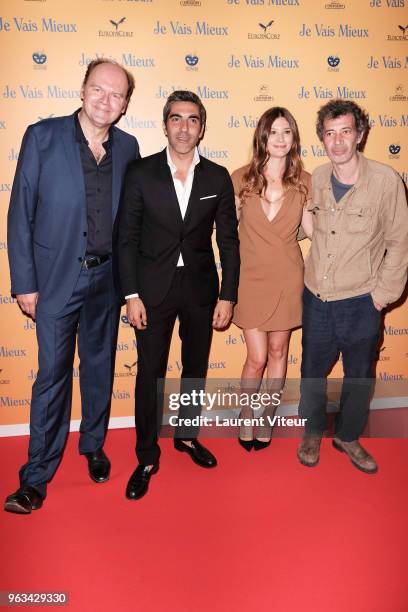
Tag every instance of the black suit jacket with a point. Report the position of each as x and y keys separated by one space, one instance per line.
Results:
x=152 y=232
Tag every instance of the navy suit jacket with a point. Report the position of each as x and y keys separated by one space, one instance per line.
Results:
x=47 y=219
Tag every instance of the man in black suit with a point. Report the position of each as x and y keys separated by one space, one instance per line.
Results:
x=171 y=201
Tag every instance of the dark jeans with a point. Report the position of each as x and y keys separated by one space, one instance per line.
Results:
x=352 y=327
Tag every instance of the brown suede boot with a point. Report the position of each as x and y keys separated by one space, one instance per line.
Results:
x=309 y=450
x=357 y=455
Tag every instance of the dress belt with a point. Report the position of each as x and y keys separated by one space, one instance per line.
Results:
x=91 y=261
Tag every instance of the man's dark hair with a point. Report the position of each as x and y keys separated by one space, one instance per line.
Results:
x=185 y=96
x=104 y=60
x=339 y=107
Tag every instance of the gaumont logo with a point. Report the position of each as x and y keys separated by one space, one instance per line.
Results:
x=335 y=5
x=46 y=24
x=117 y=30
x=191 y=60
x=265 y=31
x=39 y=59
x=333 y=62
x=402 y=33
x=399 y=95
x=263 y=94
x=394 y=150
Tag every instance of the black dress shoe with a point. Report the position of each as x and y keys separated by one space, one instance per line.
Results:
x=98 y=466
x=25 y=499
x=199 y=454
x=139 y=481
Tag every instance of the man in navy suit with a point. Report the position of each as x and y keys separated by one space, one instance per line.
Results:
x=62 y=211
x=167 y=269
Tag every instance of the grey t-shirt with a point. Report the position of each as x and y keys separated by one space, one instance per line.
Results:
x=339 y=189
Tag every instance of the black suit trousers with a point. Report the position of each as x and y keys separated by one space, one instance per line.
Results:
x=153 y=345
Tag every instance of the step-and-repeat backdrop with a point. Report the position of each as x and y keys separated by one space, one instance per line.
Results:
x=241 y=57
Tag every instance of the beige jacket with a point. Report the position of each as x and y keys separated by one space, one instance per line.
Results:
x=360 y=244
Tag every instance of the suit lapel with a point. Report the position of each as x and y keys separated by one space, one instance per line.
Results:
x=73 y=156
x=170 y=196
x=118 y=163
x=194 y=199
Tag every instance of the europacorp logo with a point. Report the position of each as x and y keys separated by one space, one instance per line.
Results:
x=265 y=31
x=400 y=34
x=117 y=30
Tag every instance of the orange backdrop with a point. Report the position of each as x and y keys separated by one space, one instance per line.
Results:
x=241 y=57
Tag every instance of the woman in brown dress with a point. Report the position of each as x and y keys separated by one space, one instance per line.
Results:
x=271 y=193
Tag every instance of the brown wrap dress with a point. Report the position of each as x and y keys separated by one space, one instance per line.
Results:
x=271 y=276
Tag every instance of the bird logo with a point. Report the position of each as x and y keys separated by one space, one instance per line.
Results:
x=117 y=23
x=265 y=27
x=130 y=367
x=403 y=29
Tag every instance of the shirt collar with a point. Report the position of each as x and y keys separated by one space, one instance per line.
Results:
x=362 y=180
x=80 y=136
x=173 y=167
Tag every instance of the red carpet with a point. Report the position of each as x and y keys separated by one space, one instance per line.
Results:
x=260 y=532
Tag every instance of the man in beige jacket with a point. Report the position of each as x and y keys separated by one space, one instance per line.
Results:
x=356 y=266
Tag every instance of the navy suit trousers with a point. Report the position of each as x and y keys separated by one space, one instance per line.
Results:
x=92 y=314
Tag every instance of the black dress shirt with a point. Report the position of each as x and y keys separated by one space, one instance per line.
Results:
x=98 y=190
